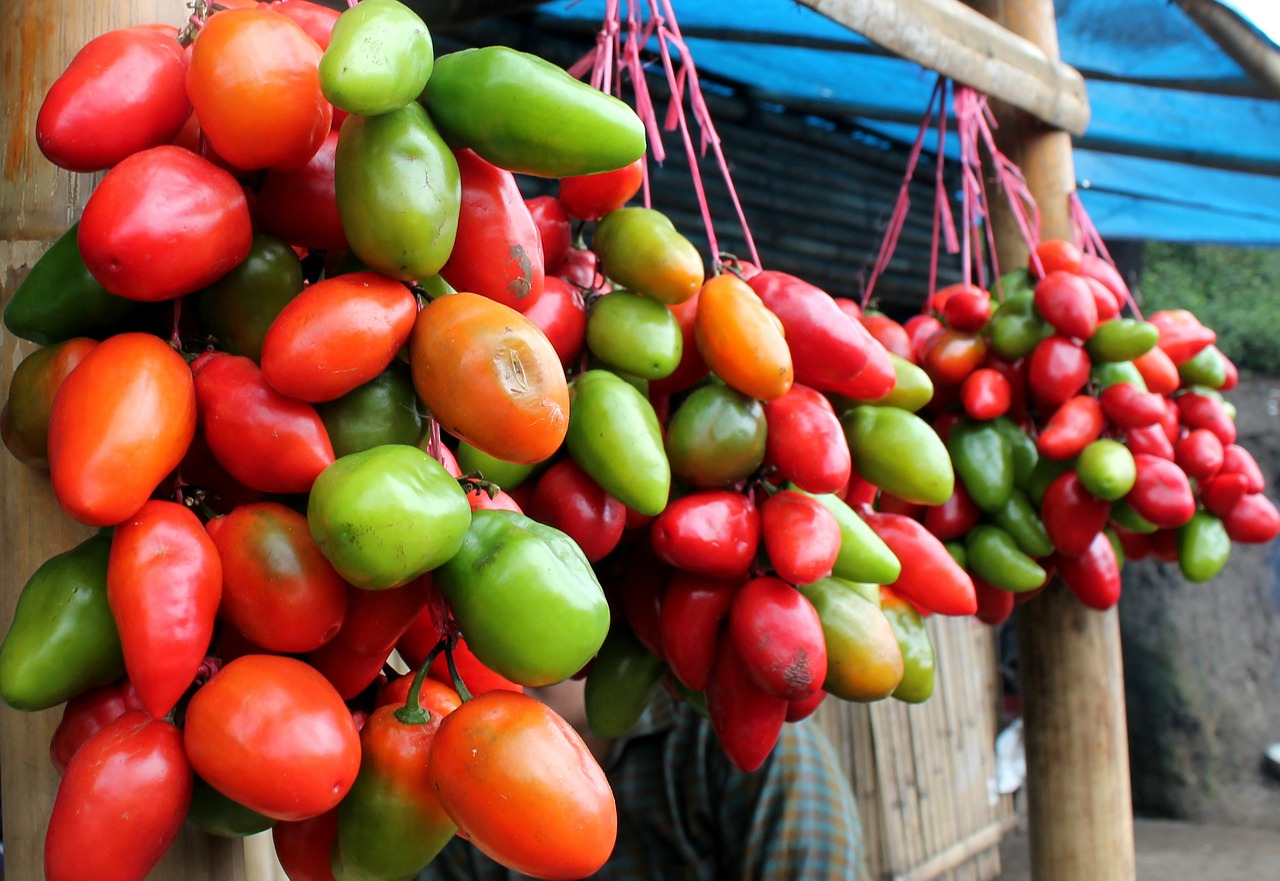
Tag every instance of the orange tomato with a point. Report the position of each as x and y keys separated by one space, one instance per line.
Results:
x=491 y=377
x=254 y=85
x=120 y=423
x=556 y=816
x=951 y=355
x=741 y=340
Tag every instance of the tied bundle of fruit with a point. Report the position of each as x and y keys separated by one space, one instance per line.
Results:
x=1079 y=435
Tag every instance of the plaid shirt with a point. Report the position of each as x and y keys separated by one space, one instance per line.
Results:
x=686 y=814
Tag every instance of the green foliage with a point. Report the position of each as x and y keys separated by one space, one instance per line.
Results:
x=1235 y=291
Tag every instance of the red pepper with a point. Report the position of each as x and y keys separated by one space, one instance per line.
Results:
x=986 y=394
x=1161 y=494
x=86 y=714
x=1158 y=371
x=303 y=846
x=1058 y=369
x=1071 y=428
x=1104 y=301
x=805 y=442
x=1220 y=493
x=801 y=537
x=1065 y=301
x=994 y=605
x=1237 y=460
x=1127 y=406
x=1206 y=411
x=746 y=718
x=920 y=329
x=1149 y=439
x=1253 y=520
x=890 y=334
x=1072 y=516
x=693 y=609
x=930 y=577
x=1199 y=454
x=1182 y=336
x=779 y=638
x=954 y=517
x=713 y=533
x=1094 y=576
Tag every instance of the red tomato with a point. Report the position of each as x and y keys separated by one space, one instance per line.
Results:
x=1199 y=454
x=1128 y=406
x=124 y=92
x=967 y=309
x=1071 y=428
x=510 y=743
x=434 y=695
x=1058 y=255
x=561 y=313
x=568 y=499
x=954 y=517
x=164 y=223
x=581 y=267
x=271 y=733
x=713 y=533
x=491 y=377
x=778 y=637
x=1161 y=494
x=1237 y=460
x=88 y=713
x=120 y=423
x=1158 y=371
x=300 y=205
x=931 y=579
x=890 y=334
x=121 y=803
x=277 y=587
x=1198 y=410
x=1098 y=269
x=1253 y=520
x=1071 y=515
x=1094 y=576
x=303 y=846
x=1182 y=336
x=316 y=20
x=336 y=335
x=265 y=440
x=801 y=538
x=164 y=583
x=986 y=394
x=693 y=608
x=1104 y=301
x=555 y=229
x=1058 y=370
x=951 y=355
x=920 y=329
x=1220 y=493
x=498 y=253
x=1065 y=301
x=805 y=442
x=746 y=719
x=592 y=196
x=254 y=83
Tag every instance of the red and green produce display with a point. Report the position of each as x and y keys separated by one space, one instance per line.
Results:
x=339 y=400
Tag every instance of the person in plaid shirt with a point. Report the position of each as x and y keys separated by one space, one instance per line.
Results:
x=686 y=814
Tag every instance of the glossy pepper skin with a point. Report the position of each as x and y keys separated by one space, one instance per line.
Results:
x=498 y=101
x=620 y=683
x=63 y=640
x=983 y=461
x=900 y=453
x=919 y=664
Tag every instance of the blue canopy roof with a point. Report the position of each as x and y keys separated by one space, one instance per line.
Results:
x=1181 y=145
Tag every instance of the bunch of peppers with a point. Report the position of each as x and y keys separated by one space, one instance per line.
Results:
x=1080 y=435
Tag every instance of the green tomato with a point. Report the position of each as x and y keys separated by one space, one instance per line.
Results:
x=525 y=598
x=1106 y=469
x=900 y=453
x=615 y=437
x=716 y=437
x=1203 y=547
x=1121 y=339
x=379 y=58
x=217 y=814
x=634 y=334
x=63 y=639
x=919 y=665
x=382 y=411
x=237 y=309
x=386 y=515
x=399 y=192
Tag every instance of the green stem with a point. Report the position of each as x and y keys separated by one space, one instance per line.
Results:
x=412 y=713
x=458 y=684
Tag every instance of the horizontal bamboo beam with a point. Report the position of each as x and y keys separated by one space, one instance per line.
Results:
x=968 y=47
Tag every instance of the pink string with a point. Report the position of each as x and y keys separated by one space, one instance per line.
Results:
x=944 y=222
x=902 y=205
x=1087 y=234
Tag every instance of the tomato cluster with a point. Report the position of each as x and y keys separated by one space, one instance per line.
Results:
x=1079 y=436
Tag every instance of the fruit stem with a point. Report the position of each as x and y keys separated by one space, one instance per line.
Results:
x=413 y=713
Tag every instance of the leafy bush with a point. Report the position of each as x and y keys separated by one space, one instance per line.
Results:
x=1235 y=291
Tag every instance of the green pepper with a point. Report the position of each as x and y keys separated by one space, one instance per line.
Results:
x=635 y=334
x=1015 y=329
x=1205 y=368
x=956 y=549
x=919 y=665
x=983 y=462
x=1108 y=373
x=1106 y=469
x=864 y=557
x=620 y=683
x=1203 y=547
x=641 y=249
x=864 y=662
x=59 y=299
x=1021 y=520
x=1123 y=515
x=995 y=557
x=900 y=453
x=63 y=639
x=237 y=309
x=385 y=515
x=507 y=475
x=1046 y=472
x=912 y=388
x=399 y=192
x=527 y=115
x=1022 y=449
x=217 y=814
x=525 y=597
x=716 y=436
x=1121 y=339
x=382 y=411
x=379 y=58
x=615 y=437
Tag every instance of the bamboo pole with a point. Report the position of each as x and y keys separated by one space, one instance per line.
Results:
x=1079 y=801
x=37 y=203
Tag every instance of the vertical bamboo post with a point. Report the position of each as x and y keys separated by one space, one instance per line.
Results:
x=37 y=203
x=1079 y=801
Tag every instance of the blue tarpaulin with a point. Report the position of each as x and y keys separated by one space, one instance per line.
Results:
x=1181 y=144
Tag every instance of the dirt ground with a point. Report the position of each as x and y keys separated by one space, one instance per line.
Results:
x=1171 y=850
